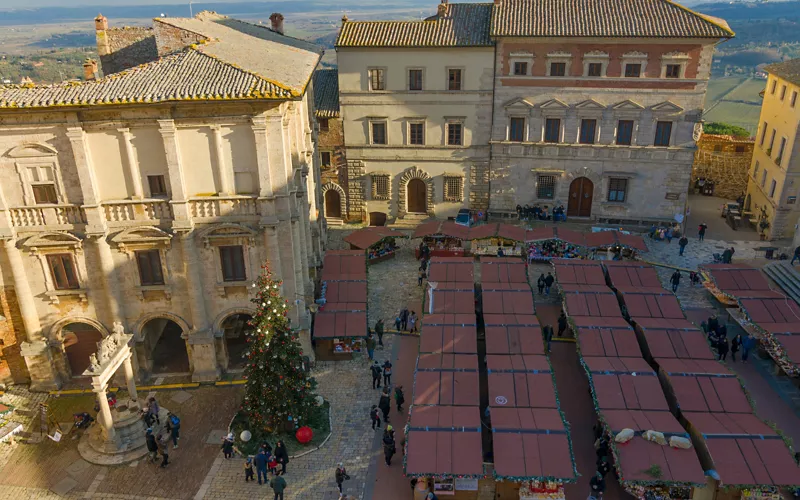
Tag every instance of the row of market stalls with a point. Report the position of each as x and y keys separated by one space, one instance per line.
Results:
x=540 y=244
x=662 y=376
x=340 y=324
x=766 y=314
x=377 y=243
x=485 y=354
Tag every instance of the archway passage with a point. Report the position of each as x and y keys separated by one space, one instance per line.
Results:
x=234 y=330
x=333 y=204
x=377 y=219
x=417 y=193
x=581 y=192
x=167 y=347
x=80 y=342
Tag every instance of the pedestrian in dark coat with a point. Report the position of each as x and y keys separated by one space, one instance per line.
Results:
x=420 y=276
x=174 y=428
x=278 y=485
x=701 y=231
x=249 y=474
x=282 y=456
x=379 y=331
x=675 y=280
x=722 y=349
x=376 y=370
x=387 y=373
x=341 y=476
x=713 y=324
x=597 y=485
x=602 y=447
x=389 y=448
x=399 y=398
x=548 y=282
x=603 y=467
x=747 y=344
x=371 y=346
x=404 y=319
x=153 y=409
x=540 y=284
x=562 y=323
x=796 y=256
x=722 y=332
x=152 y=446
x=736 y=344
x=727 y=256
x=385 y=405
x=227 y=445
x=682 y=244
x=262 y=459
x=163 y=447
x=374 y=417
x=548 y=336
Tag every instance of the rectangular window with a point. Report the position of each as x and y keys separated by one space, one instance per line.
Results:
x=763 y=134
x=45 y=194
x=62 y=270
x=558 y=69
x=772 y=186
x=783 y=92
x=791 y=200
x=415 y=79
x=455 y=134
x=717 y=148
x=663 y=133
x=771 y=142
x=376 y=79
x=740 y=149
x=416 y=134
x=794 y=98
x=552 y=130
x=516 y=129
x=546 y=187
x=633 y=70
x=774 y=86
x=158 y=185
x=232 y=258
x=673 y=71
x=780 y=151
x=453 y=189
x=520 y=68
x=625 y=132
x=594 y=69
x=617 y=189
x=454 y=79
x=149 y=262
x=755 y=170
x=323 y=124
x=588 y=129
x=325 y=158
x=378 y=132
x=763 y=178
x=380 y=187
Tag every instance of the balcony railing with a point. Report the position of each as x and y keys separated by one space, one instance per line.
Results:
x=126 y=212
x=223 y=206
x=56 y=215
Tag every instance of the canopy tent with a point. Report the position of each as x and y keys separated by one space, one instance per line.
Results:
x=344 y=265
x=610 y=342
x=450 y=298
x=446 y=379
x=452 y=270
x=578 y=272
x=514 y=340
x=444 y=441
x=449 y=339
x=628 y=274
x=444 y=239
x=503 y=270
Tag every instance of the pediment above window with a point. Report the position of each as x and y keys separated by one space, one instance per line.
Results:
x=518 y=103
x=559 y=54
x=53 y=241
x=667 y=107
x=635 y=54
x=554 y=104
x=675 y=55
x=521 y=54
x=628 y=105
x=228 y=234
x=31 y=150
x=590 y=104
x=596 y=54
x=140 y=238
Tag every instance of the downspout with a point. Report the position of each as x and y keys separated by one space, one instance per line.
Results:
x=491 y=131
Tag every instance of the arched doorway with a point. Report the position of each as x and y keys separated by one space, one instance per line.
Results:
x=80 y=342
x=581 y=192
x=333 y=204
x=377 y=219
x=234 y=330
x=417 y=194
x=163 y=339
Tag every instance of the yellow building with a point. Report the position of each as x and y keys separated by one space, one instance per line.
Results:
x=773 y=185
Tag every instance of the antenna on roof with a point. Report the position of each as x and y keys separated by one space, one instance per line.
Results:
x=191 y=13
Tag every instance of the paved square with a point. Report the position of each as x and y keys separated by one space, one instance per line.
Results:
x=180 y=397
x=64 y=486
x=215 y=436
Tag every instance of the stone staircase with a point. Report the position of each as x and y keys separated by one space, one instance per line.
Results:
x=333 y=221
x=409 y=221
x=786 y=277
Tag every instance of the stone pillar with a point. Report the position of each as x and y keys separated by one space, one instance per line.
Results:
x=104 y=416
x=259 y=126
x=127 y=365
x=133 y=165
x=177 y=183
x=111 y=283
x=95 y=217
x=273 y=249
x=225 y=171
x=201 y=339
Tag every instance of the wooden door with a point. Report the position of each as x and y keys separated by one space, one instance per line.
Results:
x=377 y=219
x=333 y=204
x=417 y=194
x=81 y=341
x=581 y=192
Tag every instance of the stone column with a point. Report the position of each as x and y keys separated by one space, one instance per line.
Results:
x=133 y=165
x=95 y=217
x=111 y=282
x=259 y=126
x=177 y=183
x=104 y=416
x=225 y=170
x=201 y=339
x=127 y=365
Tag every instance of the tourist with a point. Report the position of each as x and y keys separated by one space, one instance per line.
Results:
x=675 y=280
x=385 y=404
x=397 y=323
x=375 y=368
x=682 y=244
x=540 y=283
x=736 y=344
x=562 y=323
x=796 y=255
x=389 y=430
x=603 y=467
x=153 y=409
x=727 y=255
x=163 y=447
x=701 y=231
x=387 y=373
x=412 y=322
x=597 y=485
x=379 y=331
x=278 y=485
x=668 y=234
x=404 y=319
x=652 y=232
x=266 y=447
x=389 y=448
x=371 y=346
x=548 y=282
x=152 y=446
x=722 y=348
x=227 y=445
x=399 y=398
x=747 y=343
x=548 y=336
x=174 y=428
x=713 y=324
x=601 y=447
x=262 y=459
x=272 y=465
x=341 y=476
x=248 y=470
x=281 y=456
x=420 y=276
x=374 y=417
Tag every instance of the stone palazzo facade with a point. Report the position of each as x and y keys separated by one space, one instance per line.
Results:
x=152 y=197
x=488 y=106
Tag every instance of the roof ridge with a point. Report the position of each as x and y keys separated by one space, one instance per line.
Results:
x=162 y=20
x=704 y=17
x=282 y=86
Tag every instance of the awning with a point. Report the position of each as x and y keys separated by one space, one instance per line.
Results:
x=683 y=344
x=544 y=233
x=514 y=340
x=579 y=272
x=329 y=324
x=509 y=232
x=453 y=230
x=611 y=342
x=739 y=281
x=610 y=238
x=344 y=265
x=451 y=269
x=652 y=305
x=508 y=302
x=444 y=441
x=632 y=274
x=710 y=394
x=346 y=291
x=483 y=232
x=776 y=316
x=427 y=229
x=520 y=381
x=447 y=300
x=503 y=270
x=592 y=304
x=446 y=379
x=449 y=339
x=365 y=238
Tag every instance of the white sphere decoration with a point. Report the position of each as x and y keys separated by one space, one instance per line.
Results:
x=245 y=436
x=319 y=400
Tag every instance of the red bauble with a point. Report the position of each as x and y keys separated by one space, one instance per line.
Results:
x=304 y=434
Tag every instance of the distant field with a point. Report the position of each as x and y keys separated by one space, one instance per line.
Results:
x=719 y=87
x=734 y=100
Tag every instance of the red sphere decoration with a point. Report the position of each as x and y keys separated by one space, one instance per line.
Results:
x=304 y=434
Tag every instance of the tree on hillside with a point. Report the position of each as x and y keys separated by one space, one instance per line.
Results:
x=278 y=390
x=720 y=128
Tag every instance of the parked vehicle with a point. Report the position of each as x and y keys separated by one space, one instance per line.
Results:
x=464 y=217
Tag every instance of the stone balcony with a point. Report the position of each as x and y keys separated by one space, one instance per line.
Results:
x=126 y=213
x=231 y=208
x=51 y=218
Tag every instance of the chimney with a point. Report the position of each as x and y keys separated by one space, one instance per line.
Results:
x=100 y=23
x=101 y=37
x=442 y=9
x=277 y=22
x=498 y=2
x=90 y=70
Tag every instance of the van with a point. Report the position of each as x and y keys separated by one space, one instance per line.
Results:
x=464 y=218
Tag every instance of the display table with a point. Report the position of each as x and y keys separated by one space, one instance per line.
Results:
x=339 y=348
x=375 y=258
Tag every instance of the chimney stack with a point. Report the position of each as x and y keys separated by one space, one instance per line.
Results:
x=100 y=23
x=277 y=22
x=90 y=70
x=442 y=9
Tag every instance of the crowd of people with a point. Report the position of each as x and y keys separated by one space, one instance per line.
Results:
x=553 y=249
x=718 y=338
x=537 y=212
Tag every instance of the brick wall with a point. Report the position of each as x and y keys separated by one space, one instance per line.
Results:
x=333 y=140
x=170 y=39
x=123 y=48
x=12 y=333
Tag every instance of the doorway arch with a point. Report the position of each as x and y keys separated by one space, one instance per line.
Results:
x=80 y=342
x=333 y=204
x=581 y=193
x=417 y=193
x=377 y=219
x=165 y=343
x=235 y=329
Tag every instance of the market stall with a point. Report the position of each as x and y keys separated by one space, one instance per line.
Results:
x=449 y=334
x=451 y=270
x=340 y=332
x=498 y=239
x=552 y=242
x=443 y=239
x=730 y=282
x=378 y=242
x=614 y=245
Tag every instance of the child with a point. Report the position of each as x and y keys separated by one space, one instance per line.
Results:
x=373 y=415
x=273 y=464
x=248 y=470
x=399 y=397
x=227 y=445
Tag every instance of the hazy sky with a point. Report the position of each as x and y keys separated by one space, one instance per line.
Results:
x=11 y=4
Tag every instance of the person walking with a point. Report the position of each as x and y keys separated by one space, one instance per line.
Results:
x=548 y=336
x=420 y=276
x=404 y=319
x=163 y=447
x=174 y=428
x=278 y=485
x=540 y=283
x=153 y=409
x=375 y=368
x=341 y=476
x=371 y=346
x=722 y=348
x=548 y=282
x=281 y=456
x=747 y=344
x=397 y=322
x=412 y=322
x=562 y=323
x=796 y=255
x=736 y=344
x=668 y=235
x=603 y=467
x=262 y=461
x=682 y=244
x=387 y=373
x=374 y=417
x=701 y=231
x=597 y=485
x=399 y=398
x=379 y=331
x=389 y=448
x=385 y=404
x=727 y=256
x=248 y=470
x=227 y=445
x=152 y=446
x=675 y=280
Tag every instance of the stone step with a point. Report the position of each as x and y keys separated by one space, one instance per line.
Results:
x=334 y=221
x=786 y=277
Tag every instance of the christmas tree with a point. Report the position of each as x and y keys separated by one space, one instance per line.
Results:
x=278 y=392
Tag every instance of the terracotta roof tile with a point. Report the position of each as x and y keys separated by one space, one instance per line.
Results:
x=326 y=93
x=789 y=70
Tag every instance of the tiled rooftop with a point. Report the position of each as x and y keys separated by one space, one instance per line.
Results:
x=326 y=93
x=789 y=70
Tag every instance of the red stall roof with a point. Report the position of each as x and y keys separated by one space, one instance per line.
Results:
x=439 y=361
x=556 y=233
x=672 y=366
x=747 y=461
x=652 y=305
x=344 y=307
x=444 y=440
x=442 y=385
x=597 y=304
x=579 y=272
x=632 y=274
x=483 y=231
x=684 y=344
x=427 y=229
x=710 y=394
x=628 y=392
x=740 y=281
x=448 y=301
x=451 y=269
x=570 y=236
x=661 y=421
x=608 y=238
x=542 y=233
x=608 y=342
x=508 y=301
x=344 y=265
x=516 y=363
x=510 y=320
x=530 y=442
x=791 y=344
x=365 y=238
x=449 y=319
x=728 y=424
x=503 y=270
x=605 y=365
x=453 y=230
x=449 y=339
x=520 y=381
x=340 y=324
x=774 y=315
x=346 y=291
x=509 y=232
x=595 y=322
x=677 y=465
x=514 y=340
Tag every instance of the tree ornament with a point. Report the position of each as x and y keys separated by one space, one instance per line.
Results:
x=245 y=436
x=304 y=435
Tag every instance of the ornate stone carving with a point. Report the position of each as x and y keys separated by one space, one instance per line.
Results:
x=697 y=131
x=94 y=364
